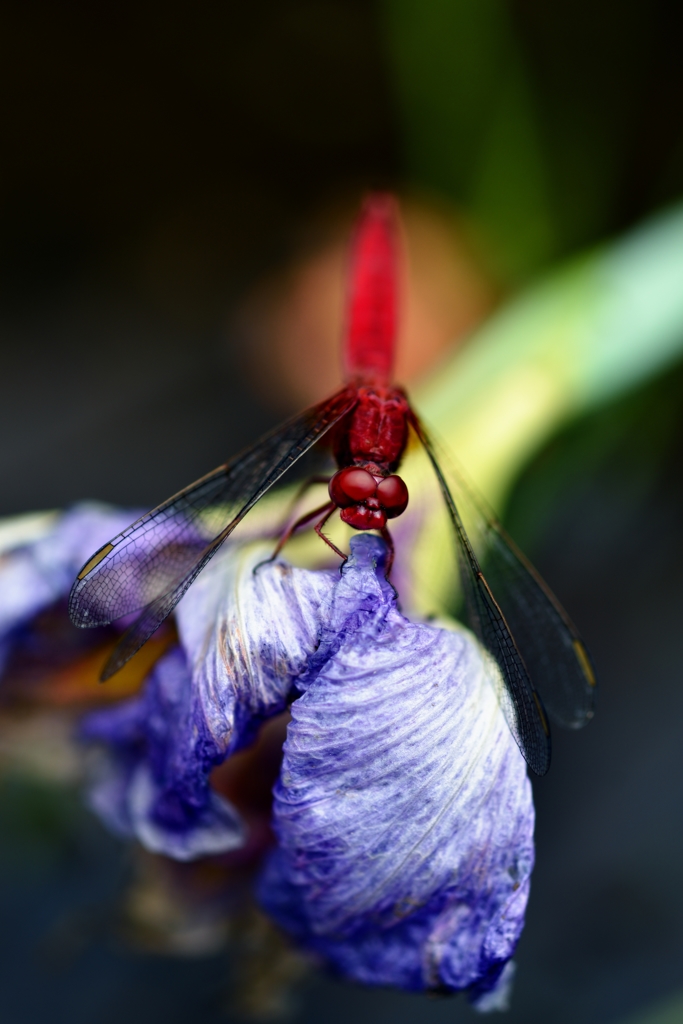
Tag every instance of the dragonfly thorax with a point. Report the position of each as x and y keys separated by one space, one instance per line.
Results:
x=377 y=430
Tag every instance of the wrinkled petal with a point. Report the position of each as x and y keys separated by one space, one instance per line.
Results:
x=245 y=637
x=403 y=811
x=127 y=802
x=146 y=787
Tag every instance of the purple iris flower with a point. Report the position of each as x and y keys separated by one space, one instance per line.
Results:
x=403 y=813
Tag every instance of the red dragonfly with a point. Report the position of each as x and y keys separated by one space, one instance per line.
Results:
x=150 y=565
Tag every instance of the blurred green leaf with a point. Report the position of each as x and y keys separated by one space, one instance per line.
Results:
x=468 y=122
x=592 y=331
x=670 y=1012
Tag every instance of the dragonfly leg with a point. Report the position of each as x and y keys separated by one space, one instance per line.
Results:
x=291 y=515
x=319 y=530
x=388 y=540
x=292 y=527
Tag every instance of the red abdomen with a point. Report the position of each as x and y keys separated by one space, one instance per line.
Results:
x=371 y=304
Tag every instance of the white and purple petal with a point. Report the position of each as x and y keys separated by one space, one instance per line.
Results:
x=403 y=811
x=248 y=629
x=151 y=780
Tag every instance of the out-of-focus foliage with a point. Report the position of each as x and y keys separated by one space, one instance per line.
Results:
x=551 y=124
x=590 y=332
x=627 y=448
x=668 y=1012
x=469 y=123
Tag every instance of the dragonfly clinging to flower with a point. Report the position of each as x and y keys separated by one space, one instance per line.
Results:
x=150 y=565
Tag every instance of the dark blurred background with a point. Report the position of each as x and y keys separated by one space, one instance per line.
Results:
x=169 y=177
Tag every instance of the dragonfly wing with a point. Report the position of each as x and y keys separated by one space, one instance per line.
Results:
x=519 y=699
x=154 y=614
x=149 y=563
x=552 y=649
x=549 y=642
x=550 y=645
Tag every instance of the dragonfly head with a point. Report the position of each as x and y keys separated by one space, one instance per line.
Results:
x=368 y=500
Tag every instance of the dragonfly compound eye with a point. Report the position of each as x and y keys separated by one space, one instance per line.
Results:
x=393 y=496
x=351 y=485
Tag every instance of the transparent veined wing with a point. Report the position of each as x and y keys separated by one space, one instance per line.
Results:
x=151 y=564
x=519 y=699
x=552 y=649
x=557 y=664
